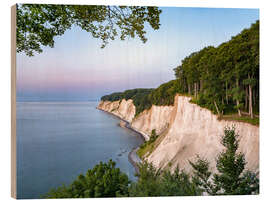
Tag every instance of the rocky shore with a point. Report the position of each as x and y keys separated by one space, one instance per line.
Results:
x=133 y=158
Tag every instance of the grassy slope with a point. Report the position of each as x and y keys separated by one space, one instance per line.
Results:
x=148 y=147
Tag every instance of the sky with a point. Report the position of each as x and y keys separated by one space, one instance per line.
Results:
x=77 y=69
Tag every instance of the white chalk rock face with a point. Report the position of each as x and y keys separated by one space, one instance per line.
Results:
x=123 y=109
x=158 y=118
x=108 y=106
x=196 y=131
x=126 y=110
x=191 y=131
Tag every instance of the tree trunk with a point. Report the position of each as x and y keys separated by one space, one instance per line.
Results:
x=189 y=89
x=201 y=85
x=216 y=107
x=239 y=111
x=246 y=99
x=196 y=85
x=250 y=101
x=227 y=93
x=195 y=91
x=237 y=100
x=254 y=98
x=197 y=88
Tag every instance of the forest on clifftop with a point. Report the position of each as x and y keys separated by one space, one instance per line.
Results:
x=223 y=79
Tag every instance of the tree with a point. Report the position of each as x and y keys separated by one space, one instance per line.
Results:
x=38 y=24
x=232 y=179
x=148 y=183
x=225 y=79
x=104 y=180
x=249 y=60
x=156 y=182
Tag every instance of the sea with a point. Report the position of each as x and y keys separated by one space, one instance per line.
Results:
x=57 y=141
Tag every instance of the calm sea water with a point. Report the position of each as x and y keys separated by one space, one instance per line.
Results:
x=56 y=141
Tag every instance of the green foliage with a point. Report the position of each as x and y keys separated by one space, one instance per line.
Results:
x=201 y=176
x=219 y=78
x=155 y=182
x=231 y=178
x=148 y=146
x=104 y=180
x=165 y=93
x=153 y=133
x=145 y=98
x=139 y=97
x=39 y=24
x=253 y=121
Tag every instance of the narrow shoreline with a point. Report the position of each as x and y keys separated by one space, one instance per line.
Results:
x=133 y=158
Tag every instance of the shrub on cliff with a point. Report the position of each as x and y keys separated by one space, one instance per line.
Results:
x=231 y=178
x=148 y=146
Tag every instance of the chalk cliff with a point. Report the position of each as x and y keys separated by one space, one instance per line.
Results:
x=124 y=109
x=157 y=117
x=190 y=131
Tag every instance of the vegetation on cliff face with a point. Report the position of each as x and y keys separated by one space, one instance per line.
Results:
x=148 y=146
x=224 y=80
x=104 y=180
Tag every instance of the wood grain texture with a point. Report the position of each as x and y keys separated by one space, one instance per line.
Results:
x=13 y=103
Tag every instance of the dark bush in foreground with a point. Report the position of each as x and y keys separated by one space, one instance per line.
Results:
x=156 y=182
x=104 y=180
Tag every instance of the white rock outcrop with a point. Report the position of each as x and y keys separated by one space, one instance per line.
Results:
x=124 y=109
x=191 y=131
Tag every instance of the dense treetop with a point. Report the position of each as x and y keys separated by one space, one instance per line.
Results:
x=226 y=78
x=38 y=24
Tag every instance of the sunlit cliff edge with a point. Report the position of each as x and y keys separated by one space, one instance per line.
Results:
x=188 y=130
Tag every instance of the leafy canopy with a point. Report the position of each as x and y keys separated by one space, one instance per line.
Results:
x=39 y=24
x=224 y=79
